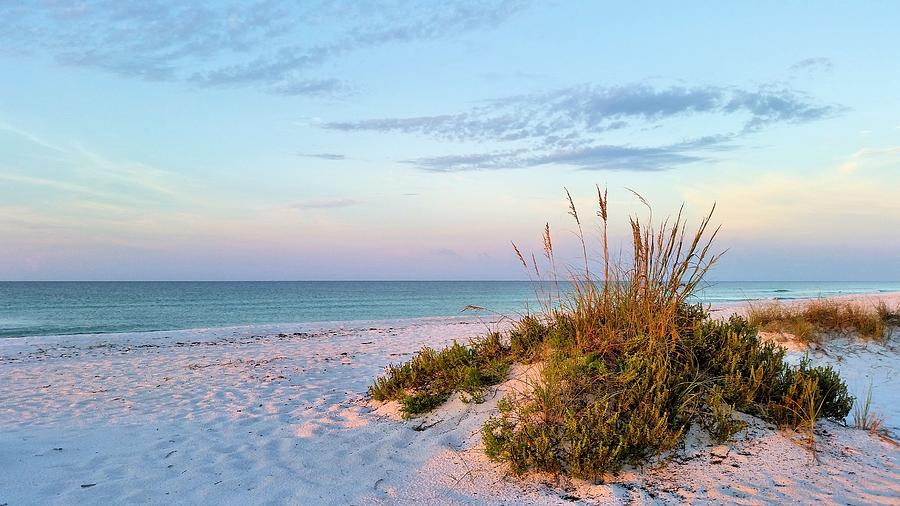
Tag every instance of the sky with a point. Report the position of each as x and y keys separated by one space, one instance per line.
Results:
x=164 y=140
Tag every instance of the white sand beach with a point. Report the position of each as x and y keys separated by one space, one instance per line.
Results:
x=279 y=415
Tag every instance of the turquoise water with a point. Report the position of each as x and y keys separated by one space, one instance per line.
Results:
x=53 y=308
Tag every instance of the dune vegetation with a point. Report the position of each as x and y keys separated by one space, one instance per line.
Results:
x=816 y=320
x=628 y=362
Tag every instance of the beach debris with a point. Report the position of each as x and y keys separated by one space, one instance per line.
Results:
x=425 y=426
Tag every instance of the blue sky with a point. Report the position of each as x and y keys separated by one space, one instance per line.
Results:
x=414 y=140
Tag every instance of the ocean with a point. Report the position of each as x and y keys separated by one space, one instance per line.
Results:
x=64 y=308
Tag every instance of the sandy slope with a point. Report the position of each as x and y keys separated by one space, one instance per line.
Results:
x=227 y=417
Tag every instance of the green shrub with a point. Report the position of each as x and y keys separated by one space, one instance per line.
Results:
x=589 y=414
x=731 y=354
x=429 y=379
x=806 y=393
x=421 y=402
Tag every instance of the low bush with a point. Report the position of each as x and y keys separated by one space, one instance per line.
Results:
x=588 y=415
x=432 y=376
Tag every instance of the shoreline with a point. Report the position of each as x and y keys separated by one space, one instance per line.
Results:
x=246 y=330
x=235 y=331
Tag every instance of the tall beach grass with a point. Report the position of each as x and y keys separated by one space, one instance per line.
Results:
x=628 y=363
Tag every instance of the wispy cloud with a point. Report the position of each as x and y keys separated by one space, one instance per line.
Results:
x=264 y=43
x=134 y=174
x=872 y=158
x=325 y=204
x=293 y=86
x=749 y=205
x=80 y=170
x=563 y=126
x=813 y=64
x=49 y=183
x=564 y=117
x=30 y=137
x=323 y=156
x=597 y=157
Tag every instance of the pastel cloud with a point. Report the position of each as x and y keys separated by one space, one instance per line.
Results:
x=263 y=43
x=564 y=117
x=830 y=205
x=600 y=157
x=872 y=158
x=563 y=126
